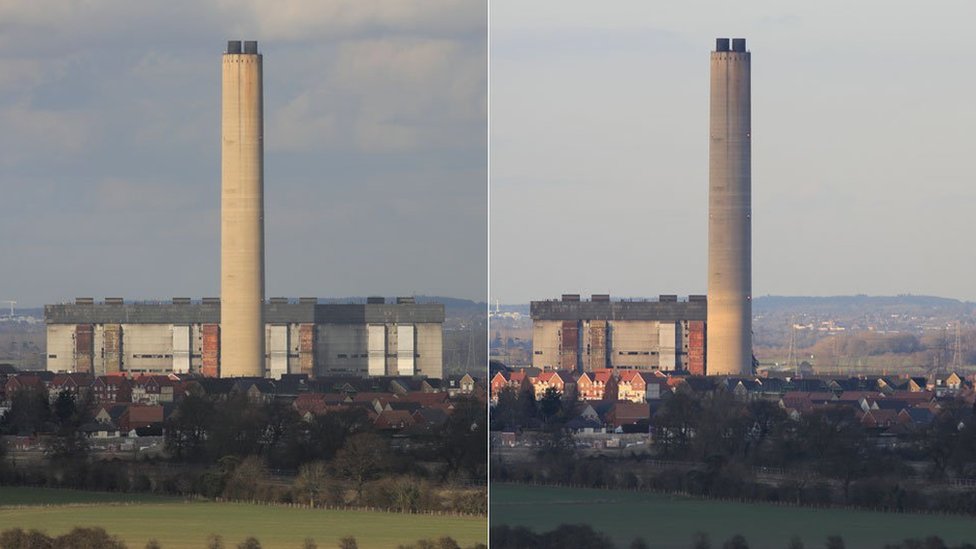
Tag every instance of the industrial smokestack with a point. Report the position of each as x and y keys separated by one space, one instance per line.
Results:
x=729 y=350
x=242 y=213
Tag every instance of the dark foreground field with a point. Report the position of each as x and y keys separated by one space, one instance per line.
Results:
x=671 y=522
x=185 y=525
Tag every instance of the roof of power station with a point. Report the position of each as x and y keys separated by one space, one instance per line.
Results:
x=185 y=311
x=601 y=307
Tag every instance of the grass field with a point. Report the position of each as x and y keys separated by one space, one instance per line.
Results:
x=177 y=524
x=670 y=522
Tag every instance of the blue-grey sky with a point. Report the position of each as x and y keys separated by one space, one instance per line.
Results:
x=375 y=139
x=863 y=118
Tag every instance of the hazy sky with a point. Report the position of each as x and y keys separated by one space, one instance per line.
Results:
x=863 y=118
x=375 y=137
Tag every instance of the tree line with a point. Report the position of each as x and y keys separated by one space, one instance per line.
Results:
x=581 y=536
x=238 y=448
x=722 y=445
x=98 y=538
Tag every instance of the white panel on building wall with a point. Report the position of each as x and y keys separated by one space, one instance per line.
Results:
x=667 y=340
x=60 y=347
x=405 y=350
x=376 y=349
x=278 y=350
x=181 y=349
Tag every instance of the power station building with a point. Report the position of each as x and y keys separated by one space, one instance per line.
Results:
x=375 y=338
x=582 y=336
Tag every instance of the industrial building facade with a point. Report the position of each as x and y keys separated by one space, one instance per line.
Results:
x=584 y=336
x=301 y=337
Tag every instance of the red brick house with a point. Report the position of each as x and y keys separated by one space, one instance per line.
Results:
x=597 y=385
x=111 y=389
x=553 y=379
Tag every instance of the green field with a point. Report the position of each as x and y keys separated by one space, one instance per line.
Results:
x=671 y=522
x=178 y=524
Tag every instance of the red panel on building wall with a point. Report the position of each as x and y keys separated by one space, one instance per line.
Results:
x=696 y=347
x=568 y=345
x=211 y=350
x=84 y=347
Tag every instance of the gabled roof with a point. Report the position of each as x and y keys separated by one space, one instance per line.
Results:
x=26 y=381
x=892 y=404
x=75 y=379
x=773 y=385
x=431 y=416
x=112 y=380
x=603 y=375
x=393 y=419
x=912 y=396
x=263 y=385
x=425 y=399
x=633 y=376
x=920 y=416
x=856 y=396
x=400 y=405
x=701 y=384
x=807 y=384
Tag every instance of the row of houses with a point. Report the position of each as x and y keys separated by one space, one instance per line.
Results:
x=605 y=384
x=625 y=402
x=635 y=386
x=140 y=406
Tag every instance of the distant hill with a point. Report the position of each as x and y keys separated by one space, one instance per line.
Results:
x=861 y=303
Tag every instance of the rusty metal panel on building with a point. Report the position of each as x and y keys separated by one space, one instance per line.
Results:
x=596 y=346
x=696 y=347
x=84 y=347
x=211 y=350
x=306 y=349
x=112 y=345
x=568 y=345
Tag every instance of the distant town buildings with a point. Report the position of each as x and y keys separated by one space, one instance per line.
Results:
x=376 y=338
x=589 y=335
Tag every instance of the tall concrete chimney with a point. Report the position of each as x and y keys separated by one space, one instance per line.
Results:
x=729 y=347
x=242 y=213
